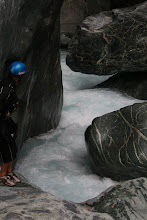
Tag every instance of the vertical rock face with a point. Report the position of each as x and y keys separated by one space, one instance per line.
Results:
x=72 y=14
x=30 y=32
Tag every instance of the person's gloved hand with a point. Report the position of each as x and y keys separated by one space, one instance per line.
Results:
x=13 y=129
x=14 y=135
x=8 y=115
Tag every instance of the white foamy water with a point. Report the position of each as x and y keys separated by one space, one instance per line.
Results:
x=57 y=161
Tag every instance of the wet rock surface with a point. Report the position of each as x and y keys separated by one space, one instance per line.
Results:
x=111 y=42
x=125 y=201
x=116 y=143
x=133 y=84
x=27 y=202
x=30 y=33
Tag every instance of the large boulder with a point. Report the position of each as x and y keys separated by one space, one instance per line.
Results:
x=131 y=83
x=96 y=6
x=123 y=3
x=30 y=32
x=74 y=12
x=127 y=200
x=117 y=143
x=111 y=42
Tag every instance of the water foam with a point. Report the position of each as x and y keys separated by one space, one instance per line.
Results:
x=57 y=161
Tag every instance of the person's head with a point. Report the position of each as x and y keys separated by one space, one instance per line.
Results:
x=18 y=69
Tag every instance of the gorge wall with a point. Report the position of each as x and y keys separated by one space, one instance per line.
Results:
x=30 y=32
x=113 y=42
x=73 y=12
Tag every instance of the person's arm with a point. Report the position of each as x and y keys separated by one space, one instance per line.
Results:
x=8 y=96
x=13 y=128
x=5 y=132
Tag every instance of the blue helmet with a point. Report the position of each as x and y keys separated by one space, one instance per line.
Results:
x=18 y=68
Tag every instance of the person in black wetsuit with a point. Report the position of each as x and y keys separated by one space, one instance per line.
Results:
x=8 y=129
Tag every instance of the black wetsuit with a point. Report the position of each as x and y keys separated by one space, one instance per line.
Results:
x=8 y=129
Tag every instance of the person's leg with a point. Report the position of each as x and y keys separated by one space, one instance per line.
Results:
x=4 y=178
x=4 y=169
x=10 y=168
x=11 y=173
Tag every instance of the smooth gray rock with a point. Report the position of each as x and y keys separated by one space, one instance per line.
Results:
x=72 y=14
x=30 y=32
x=117 y=143
x=27 y=202
x=111 y=42
x=124 y=201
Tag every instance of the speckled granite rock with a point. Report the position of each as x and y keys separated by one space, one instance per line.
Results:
x=30 y=32
x=131 y=83
x=117 y=143
x=124 y=201
x=27 y=202
x=111 y=42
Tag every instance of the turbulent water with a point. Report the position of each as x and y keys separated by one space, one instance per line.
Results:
x=57 y=161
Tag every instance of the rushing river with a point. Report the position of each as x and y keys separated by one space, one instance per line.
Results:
x=57 y=161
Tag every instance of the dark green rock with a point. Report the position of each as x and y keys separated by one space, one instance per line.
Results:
x=111 y=42
x=30 y=32
x=117 y=143
x=126 y=201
